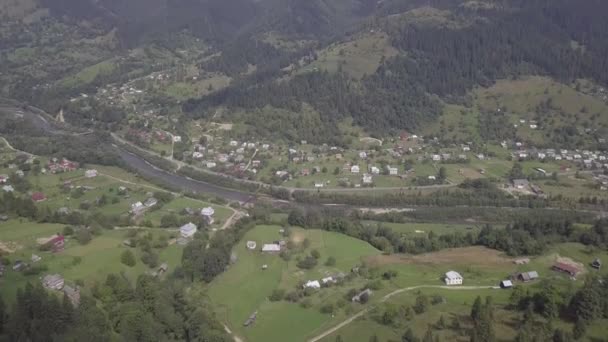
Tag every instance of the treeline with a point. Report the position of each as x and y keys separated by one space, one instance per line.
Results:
x=440 y=198
x=528 y=235
x=205 y=259
x=150 y=310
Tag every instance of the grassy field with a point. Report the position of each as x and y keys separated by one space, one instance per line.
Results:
x=88 y=74
x=89 y=263
x=358 y=57
x=425 y=228
x=254 y=285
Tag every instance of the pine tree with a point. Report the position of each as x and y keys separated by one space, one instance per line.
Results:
x=476 y=309
x=409 y=336
x=579 y=330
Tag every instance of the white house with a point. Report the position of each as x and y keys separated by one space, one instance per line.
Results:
x=271 y=247
x=234 y=143
x=328 y=280
x=533 y=126
x=197 y=155
x=8 y=188
x=207 y=213
x=367 y=179
x=312 y=284
x=177 y=139
x=137 y=206
x=453 y=278
x=393 y=171
x=90 y=173
x=362 y=155
x=319 y=185
x=188 y=230
x=432 y=178
x=211 y=165
x=354 y=169
x=436 y=157
x=374 y=170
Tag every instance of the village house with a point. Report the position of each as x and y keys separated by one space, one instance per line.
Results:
x=527 y=276
x=36 y=258
x=54 y=243
x=20 y=173
x=234 y=143
x=3 y=179
x=251 y=245
x=265 y=146
x=597 y=263
x=364 y=293
x=436 y=157
x=367 y=179
x=137 y=207
x=150 y=202
x=256 y=163
x=207 y=214
x=453 y=278
x=38 y=197
x=354 y=169
x=19 y=266
x=177 y=139
x=374 y=170
x=197 y=155
x=305 y=172
x=63 y=166
x=312 y=284
x=319 y=185
x=211 y=165
x=520 y=183
x=90 y=173
x=188 y=230
x=53 y=282
x=393 y=171
x=8 y=188
x=362 y=155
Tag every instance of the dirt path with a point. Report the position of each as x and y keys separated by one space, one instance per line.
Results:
x=388 y=296
x=234 y=337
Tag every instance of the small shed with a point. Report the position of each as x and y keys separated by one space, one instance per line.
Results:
x=597 y=264
x=506 y=284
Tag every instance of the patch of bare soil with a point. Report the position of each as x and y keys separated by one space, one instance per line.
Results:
x=468 y=255
x=9 y=247
x=297 y=237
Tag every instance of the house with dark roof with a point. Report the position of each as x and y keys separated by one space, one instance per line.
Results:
x=569 y=269
x=597 y=264
x=527 y=276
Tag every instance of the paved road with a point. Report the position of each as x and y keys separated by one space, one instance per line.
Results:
x=388 y=296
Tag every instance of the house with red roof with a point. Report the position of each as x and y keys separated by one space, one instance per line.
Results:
x=38 y=197
x=566 y=268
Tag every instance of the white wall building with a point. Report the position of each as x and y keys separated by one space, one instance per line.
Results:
x=453 y=278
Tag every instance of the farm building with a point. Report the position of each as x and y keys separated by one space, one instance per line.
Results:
x=527 y=276
x=53 y=282
x=453 y=278
x=523 y=261
x=566 y=268
x=271 y=247
x=597 y=264
x=251 y=245
x=150 y=202
x=506 y=284
x=55 y=243
x=188 y=230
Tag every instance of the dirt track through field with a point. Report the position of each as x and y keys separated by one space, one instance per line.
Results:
x=385 y=298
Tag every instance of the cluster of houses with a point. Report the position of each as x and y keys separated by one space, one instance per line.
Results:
x=63 y=165
x=55 y=282
x=138 y=207
x=324 y=282
x=584 y=158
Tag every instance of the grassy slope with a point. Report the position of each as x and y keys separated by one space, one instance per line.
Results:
x=254 y=285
